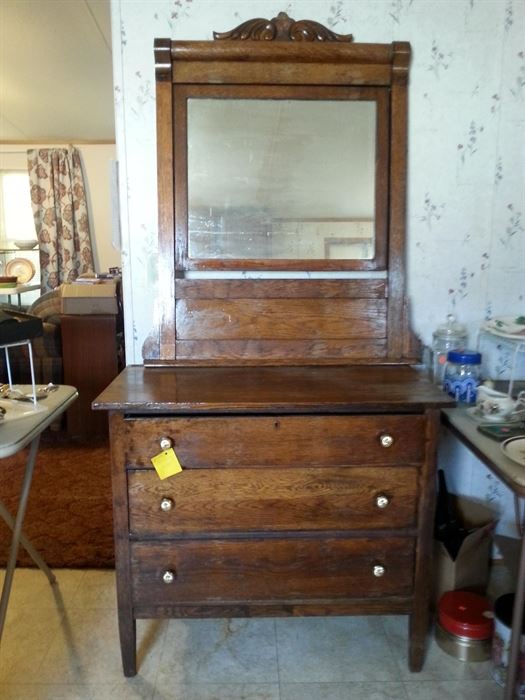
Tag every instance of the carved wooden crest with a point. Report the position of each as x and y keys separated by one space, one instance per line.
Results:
x=282 y=28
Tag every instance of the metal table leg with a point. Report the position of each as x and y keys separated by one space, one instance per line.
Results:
x=26 y=544
x=517 y=622
x=17 y=531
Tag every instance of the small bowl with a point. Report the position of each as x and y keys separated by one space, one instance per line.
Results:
x=25 y=244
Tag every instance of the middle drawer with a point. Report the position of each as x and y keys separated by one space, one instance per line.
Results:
x=236 y=500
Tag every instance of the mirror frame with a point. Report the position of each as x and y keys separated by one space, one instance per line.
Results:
x=267 y=53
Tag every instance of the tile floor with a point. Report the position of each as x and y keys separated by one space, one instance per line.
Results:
x=61 y=643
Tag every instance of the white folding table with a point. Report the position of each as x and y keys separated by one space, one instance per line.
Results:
x=513 y=475
x=23 y=425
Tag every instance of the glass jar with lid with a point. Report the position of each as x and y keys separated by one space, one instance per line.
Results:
x=462 y=375
x=447 y=336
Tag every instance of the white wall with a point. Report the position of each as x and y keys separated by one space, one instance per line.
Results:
x=96 y=159
x=466 y=236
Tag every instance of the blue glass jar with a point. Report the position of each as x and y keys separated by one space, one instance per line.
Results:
x=462 y=375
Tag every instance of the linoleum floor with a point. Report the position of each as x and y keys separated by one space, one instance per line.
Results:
x=61 y=643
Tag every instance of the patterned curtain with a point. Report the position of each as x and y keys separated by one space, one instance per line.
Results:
x=58 y=198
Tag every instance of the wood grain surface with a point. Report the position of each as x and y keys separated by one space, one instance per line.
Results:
x=264 y=500
x=229 y=570
x=200 y=389
x=277 y=441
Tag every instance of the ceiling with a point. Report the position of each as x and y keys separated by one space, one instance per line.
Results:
x=56 y=80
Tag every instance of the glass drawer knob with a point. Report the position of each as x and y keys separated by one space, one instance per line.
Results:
x=165 y=443
x=382 y=501
x=386 y=440
x=168 y=577
x=379 y=570
x=166 y=504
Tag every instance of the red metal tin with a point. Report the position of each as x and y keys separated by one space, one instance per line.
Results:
x=466 y=614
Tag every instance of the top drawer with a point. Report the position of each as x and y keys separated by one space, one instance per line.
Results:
x=277 y=441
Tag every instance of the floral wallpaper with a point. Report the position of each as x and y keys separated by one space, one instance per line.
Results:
x=466 y=202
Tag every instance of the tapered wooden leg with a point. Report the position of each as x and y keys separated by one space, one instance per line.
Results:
x=418 y=624
x=128 y=644
x=126 y=621
x=417 y=639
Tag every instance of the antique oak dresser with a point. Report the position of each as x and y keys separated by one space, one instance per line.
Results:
x=281 y=368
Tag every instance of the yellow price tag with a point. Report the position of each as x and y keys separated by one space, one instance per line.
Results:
x=166 y=463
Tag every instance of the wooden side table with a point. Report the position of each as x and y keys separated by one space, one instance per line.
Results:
x=89 y=354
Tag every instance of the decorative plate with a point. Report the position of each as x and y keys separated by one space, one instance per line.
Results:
x=507 y=327
x=514 y=449
x=21 y=268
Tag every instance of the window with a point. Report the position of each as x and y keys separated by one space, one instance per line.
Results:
x=16 y=215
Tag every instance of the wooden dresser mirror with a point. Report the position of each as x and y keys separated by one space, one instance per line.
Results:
x=278 y=369
x=281 y=149
x=286 y=183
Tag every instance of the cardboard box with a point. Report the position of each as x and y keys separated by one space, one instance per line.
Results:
x=470 y=570
x=507 y=551
x=84 y=298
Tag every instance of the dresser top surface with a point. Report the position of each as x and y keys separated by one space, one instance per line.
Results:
x=271 y=389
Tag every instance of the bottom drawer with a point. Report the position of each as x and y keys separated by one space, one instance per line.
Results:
x=264 y=570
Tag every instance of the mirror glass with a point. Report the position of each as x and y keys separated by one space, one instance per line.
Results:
x=281 y=179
